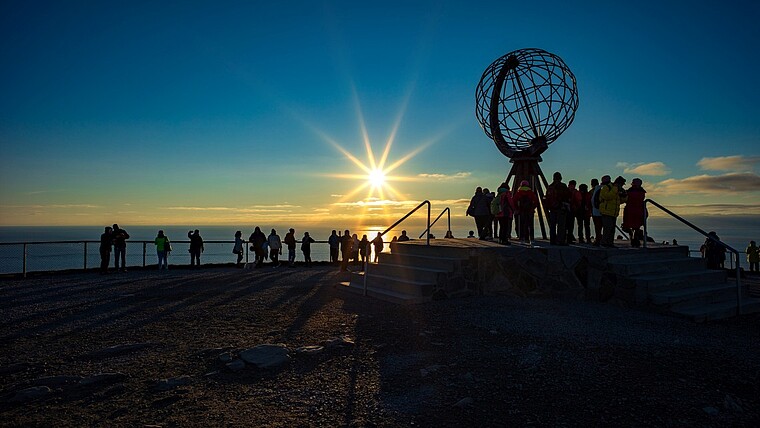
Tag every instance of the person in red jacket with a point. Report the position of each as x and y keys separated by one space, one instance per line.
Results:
x=525 y=203
x=633 y=213
x=583 y=214
x=575 y=203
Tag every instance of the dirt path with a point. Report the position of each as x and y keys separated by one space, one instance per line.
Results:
x=85 y=349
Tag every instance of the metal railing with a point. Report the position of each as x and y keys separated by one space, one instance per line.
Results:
x=47 y=256
x=448 y=229
x=427 y=224
x=708 y=236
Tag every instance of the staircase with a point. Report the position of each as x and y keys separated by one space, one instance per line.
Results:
x=670 y=281
x=413 y=273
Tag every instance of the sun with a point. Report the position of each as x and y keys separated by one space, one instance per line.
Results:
x=376 y=178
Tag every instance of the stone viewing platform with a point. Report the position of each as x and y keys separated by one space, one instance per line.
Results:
x=661 y=277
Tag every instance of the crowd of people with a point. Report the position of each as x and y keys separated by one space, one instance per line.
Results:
x=567 y=205
x=345 y=248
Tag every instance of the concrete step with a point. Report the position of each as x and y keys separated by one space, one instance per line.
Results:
x=700 y=312
x=704 y=294
x=658 y=265
x=394 y=284
x=632 y=255
x=446 y=263
x=658 y=282
x=436 y=250
x=409 y=272
x=383 y=294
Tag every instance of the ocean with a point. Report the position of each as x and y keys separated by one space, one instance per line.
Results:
x=735 y=231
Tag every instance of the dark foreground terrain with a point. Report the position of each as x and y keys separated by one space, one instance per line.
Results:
x=151 y=348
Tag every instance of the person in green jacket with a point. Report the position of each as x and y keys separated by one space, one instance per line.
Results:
x=753 y=256
x=163 y=247
x=611 y=196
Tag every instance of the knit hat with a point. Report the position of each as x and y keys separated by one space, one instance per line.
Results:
x=636 y=182
x=524 y=183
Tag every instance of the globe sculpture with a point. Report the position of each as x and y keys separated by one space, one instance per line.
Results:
x=524 y=101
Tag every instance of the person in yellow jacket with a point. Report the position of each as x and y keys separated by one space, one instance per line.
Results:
x=611 y=196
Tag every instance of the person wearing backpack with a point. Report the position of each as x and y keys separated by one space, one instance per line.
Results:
x=596 y=216
x=611 y=196
x=503 y=201
x=557 y=201
x=479 y=209
x=525 y=203
x=583 y=214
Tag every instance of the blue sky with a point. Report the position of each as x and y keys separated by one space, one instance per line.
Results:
x=223 y=112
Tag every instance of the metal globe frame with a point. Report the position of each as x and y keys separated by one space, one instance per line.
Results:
x=524 y=101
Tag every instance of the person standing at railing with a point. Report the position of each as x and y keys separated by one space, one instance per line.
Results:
x=275 y=248
x=306 y=242
x=334 y=241
x=196 y=247
x=378 y=244
x=290 y=241
x=404 y=237
x=238 y=248
x=633 y=213
x=106 y=242
x=715 y=254
x=162 y=250
x=345 y=248
x=364 y=249
x=257 y=240
x=753 y=256
x=120 y=237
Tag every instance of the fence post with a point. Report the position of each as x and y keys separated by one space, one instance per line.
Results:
x=144 y=254
x=23 y=267
x=85 y=255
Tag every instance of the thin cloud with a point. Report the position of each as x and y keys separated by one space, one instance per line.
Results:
x=65 y=206
x=234 y=209
x=444 y=177
x=708 y=209
x=651 y=168
x=729 y=183
x=737 y=163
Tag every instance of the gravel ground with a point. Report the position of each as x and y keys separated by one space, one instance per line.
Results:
x=149 y=348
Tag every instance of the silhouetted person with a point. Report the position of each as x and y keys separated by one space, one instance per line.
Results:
x=471 y=234
x=275 y=248
x=290 y=241
x=403 y=237
x=583 y=214
x=525 y=206
x=753 y=256
x=120 y=237
x=479 y=209
x=596 y=215
x=363 y=248
x=306 y=242
x=449 y=234
x=505 y=213
x=345 y=247
x=572 y=213
x=257 y=240
x=489 y=196
x=238 y=248
x=611 y=196
x=355 y=248
x=334 y=241
x=162 y=249
x=715 y=254
x=196 y=247
x=378 y=244
x=106 y=242
x=633 y=213
x=557 y=201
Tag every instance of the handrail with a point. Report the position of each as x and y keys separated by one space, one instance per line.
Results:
x=717 y=241
x=425 y=202
x=436 y=219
